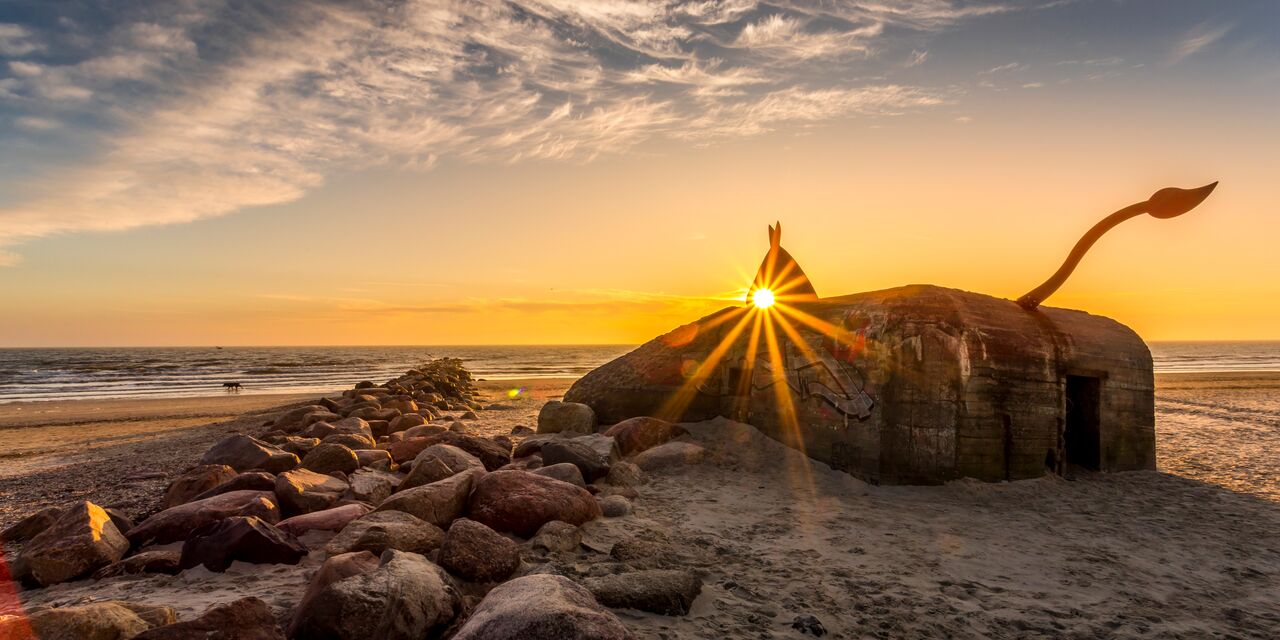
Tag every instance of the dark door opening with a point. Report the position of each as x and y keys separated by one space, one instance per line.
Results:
x=1083 y=437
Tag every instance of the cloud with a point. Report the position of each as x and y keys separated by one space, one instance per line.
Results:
x=201 y=108
x=917 y=58
x=1199 y=38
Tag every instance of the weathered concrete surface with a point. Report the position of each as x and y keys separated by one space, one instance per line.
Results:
x=913 y=385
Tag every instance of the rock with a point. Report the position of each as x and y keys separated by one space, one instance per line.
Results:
x=123 y=523
x=521 y=430
x=558 y=417
x=302 y=491
x=437 y=462
x=247 y=481
x=407 y=449
x=327 y=458
x=334 y=519
x=351 y=441
x=405 y=598
x=111 y=620
x=624 y=474
x=477 y=553
x=663 y=591
x=557 y=537
x=638 y=434
x=533 y=445
x=610 y=490
x=217 y=544
x=439 y=503
x=319 y=430
x=374 y=458
x=300 y=446
x=243 y=619
x=352 y=425
x=425 y=431
x=401 y=405
x=541 y=607
x=196 y=481
x=635 y=548
x=391 y=530
x=614 y=506
x=457 y=427
x=528 y=463
x=489 y=452
x=406 y=421
x=176 y=523
x=470 y=415
x=81 y=540
x=578 y=454
x=372 y=485
x=520 y=502
x=564 y=472
x=334 y=569
x=808 y=624
x=30 y=526
x=242 y=453
x=296 y=415
x=671 y=454
x=159 y=561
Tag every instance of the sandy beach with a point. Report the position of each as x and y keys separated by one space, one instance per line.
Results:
x=1189 y=551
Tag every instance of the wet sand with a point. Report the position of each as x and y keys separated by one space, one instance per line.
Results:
x=1191 y=551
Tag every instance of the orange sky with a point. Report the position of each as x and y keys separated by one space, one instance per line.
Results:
x=982 y=181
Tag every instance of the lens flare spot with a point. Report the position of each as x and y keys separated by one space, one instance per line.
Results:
x=762 y=298
x=514 y=393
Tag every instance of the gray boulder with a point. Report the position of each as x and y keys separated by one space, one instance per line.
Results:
x=669 y=455
x=663 y=591
x=558 y=417
x=196 y=481
x=330 y=457
x=405 y=598
x=371 y=485
x=437 y=462
x=80 y=541
x=376 y=532
x=244 y=453
x=303 y=491
x=476 y=553
x=176 y=523
x=564 y=472
x=439 y=503
x=541 y=607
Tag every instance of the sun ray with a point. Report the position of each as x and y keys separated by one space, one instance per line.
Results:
x=786 y=412
x=673 y=409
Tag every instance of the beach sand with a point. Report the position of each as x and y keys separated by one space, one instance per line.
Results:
x=1190 y=551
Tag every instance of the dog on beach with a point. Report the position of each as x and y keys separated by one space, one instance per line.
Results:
x=232 y=386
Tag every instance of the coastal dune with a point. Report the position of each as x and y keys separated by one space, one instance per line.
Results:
x=785 y=546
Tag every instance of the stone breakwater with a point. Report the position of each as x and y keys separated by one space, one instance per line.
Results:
x=413 y=521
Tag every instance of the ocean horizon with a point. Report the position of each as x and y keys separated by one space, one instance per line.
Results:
x=43 y=373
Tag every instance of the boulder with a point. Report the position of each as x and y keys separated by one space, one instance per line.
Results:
x=520 y=502
x=382 y=530
x=557 y=537
x=533 y=444
x=176 y=523
x=489 y=452
x=578 y=454
x=374 y=458
x=671 y=454
x=328 y=458
x=439 y=503
x=352 y=425
x=528 y=463
x=564 y=472
x=318 y=430
x=243 y=619
x=158 y=561
x=402 y=405
x=110 y=620
x=624 y=474
x=406 y=421
x=641 y=433
x=196 y=481
x=30 y=526
x=294 y=416
x=303 y=491
x=247 y=481
x=425 y=431
x=81 y=540
x=406 y=450
x=559 y=417
x=437 y=462
x=541 y=607
x=614 y=506
x=665 y=592
x=351 y=441
x=300 y=446
x=217 y=544
x=476 y=553
x=334 y=519
x=405 y=598
x=372 y=485
x=243 y=453
x=333 y=570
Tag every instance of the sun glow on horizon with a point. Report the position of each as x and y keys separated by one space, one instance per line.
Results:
x=762 y=299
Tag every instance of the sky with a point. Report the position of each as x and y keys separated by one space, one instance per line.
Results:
x=205 y=172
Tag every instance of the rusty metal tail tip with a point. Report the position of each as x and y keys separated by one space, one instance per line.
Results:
x=1165 y=203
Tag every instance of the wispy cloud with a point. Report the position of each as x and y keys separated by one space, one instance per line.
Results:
x=200 y=108
x=1197 y=40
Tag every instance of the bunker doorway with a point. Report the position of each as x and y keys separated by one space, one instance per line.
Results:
x=1082 y=439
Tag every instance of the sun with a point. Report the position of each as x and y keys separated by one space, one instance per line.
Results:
x=763 y=298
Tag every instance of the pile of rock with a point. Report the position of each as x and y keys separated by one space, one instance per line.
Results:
x=424 y=529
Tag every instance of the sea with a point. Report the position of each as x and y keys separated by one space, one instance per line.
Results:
x=133 y=372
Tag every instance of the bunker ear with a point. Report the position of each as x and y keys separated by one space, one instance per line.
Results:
x=775 y=235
